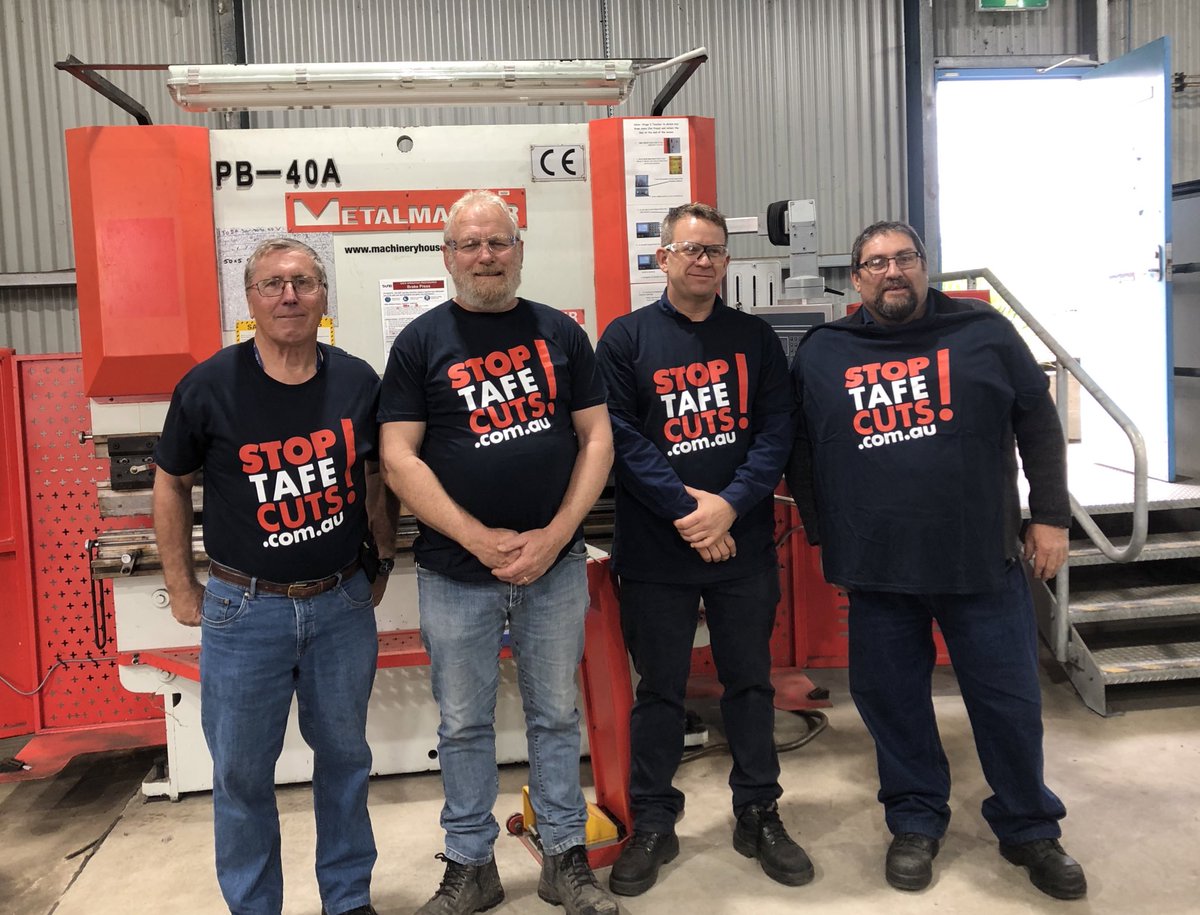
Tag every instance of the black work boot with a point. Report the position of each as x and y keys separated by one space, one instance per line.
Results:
x=760 y=834
x=465 y=888
x=636 y=869
x=1051 y=869
x=910 y=861
x=567 y=880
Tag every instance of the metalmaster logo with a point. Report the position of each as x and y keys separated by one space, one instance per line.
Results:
x=382 y=211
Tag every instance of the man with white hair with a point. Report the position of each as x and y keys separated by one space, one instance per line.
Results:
x=495 y=435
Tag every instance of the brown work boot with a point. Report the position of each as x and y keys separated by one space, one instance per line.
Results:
x=465 y=888
x=567 y=880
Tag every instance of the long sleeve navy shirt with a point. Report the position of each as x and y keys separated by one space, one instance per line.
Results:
x=705 y=404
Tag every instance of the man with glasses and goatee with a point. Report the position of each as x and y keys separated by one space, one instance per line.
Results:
x=702 y=423
x=904 y=471
x=496 y=437
x=284 y=430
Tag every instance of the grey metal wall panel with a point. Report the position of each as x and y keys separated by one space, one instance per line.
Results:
x=808 y=97
x=960 y=29
x=1133 y=23
x=39 y=319
x=281 y=31
x=40 y=102
x=807 y=94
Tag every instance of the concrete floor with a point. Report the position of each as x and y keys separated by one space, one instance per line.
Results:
x=86 y=841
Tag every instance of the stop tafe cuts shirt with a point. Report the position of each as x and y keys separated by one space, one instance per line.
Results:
x=912 y=430
x=496 y=392
x=284 y=484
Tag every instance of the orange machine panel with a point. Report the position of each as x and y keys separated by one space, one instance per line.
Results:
x=145 y=256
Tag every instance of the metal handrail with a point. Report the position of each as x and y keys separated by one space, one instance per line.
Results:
x=1066 y=361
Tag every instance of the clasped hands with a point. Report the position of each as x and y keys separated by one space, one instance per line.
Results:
x=516 y=558
x=706 y=528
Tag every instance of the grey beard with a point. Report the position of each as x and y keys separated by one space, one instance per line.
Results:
x=497 y=301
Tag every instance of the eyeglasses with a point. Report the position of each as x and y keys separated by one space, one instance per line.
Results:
x=692 y=250
x=273 y=288
x=497 y=244
x=879 y=264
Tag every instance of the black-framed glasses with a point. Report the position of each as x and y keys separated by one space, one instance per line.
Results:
x=273 y=288
x=905 y=260
x=693 y=249
x=497 y=244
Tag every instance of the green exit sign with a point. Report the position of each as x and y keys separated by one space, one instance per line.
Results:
x=992 y=5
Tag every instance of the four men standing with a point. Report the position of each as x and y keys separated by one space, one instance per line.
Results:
x=496 y=436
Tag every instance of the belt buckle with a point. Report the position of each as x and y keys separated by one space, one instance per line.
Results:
x=310 y=588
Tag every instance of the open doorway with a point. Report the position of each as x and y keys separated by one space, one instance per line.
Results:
x=1059 y=183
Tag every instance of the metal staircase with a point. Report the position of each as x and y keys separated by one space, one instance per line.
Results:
x=1127 y=617
x=1132 y=626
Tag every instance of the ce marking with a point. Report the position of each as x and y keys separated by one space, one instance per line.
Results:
x=558 y=163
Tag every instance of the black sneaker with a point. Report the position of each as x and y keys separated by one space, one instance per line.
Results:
x=760 y=834
x=465 y=889
x=1051 y=869
x=567 y=880
x=910 y=861
x=636 y=869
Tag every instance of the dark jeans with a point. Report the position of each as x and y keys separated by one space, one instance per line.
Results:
x=659 y=622
x=992 y=638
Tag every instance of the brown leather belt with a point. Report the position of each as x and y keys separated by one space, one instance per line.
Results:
x=295 y=589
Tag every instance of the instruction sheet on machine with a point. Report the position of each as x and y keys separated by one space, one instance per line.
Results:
x=657 y=177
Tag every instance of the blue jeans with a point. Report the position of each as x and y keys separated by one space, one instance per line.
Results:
x=992 y=639
x=659 y=624
x=461 y=625
x=257 y=650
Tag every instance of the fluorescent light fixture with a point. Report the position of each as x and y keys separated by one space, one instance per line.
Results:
x=235 y=87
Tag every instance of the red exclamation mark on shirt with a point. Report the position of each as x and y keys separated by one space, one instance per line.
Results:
x=943 y=358
x=743 y=390
x=348 y=431
x=548 y=368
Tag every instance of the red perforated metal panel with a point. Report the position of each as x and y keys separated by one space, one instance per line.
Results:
x=17 y=650
x=71 y=625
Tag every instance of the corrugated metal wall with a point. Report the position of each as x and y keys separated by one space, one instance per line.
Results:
x=960 y=29
x=825 y=78
x=1132 y=24
x=40 y=102
x=39 y=319
x=808 y=94
x=280 y=31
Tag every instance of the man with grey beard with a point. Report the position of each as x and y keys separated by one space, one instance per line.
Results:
x=495 y=435
x=904 y=471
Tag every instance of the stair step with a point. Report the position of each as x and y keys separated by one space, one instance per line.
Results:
x=1149 y=663
x=1178 y=545
x=1152 y=602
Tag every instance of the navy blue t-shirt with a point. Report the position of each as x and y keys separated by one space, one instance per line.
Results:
x=911 y=430
x=705 y=404
x=284 y=484
x=496 y=392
